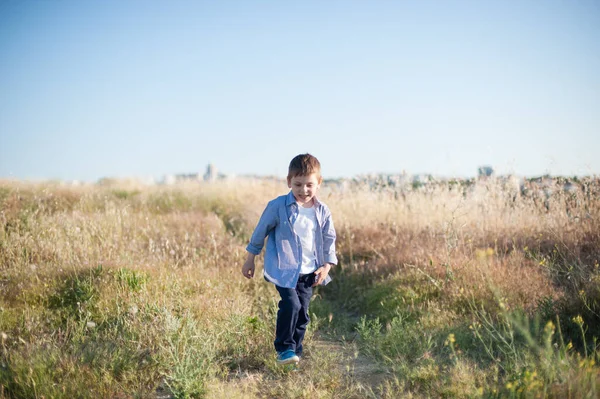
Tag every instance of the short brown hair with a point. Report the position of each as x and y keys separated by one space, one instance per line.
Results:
x=304 y=165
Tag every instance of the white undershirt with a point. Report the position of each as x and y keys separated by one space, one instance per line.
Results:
x=306 y=227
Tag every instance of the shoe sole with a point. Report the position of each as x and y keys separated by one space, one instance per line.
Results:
x=293 y=359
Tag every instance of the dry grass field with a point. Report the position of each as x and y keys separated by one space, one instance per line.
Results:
x=455 y=291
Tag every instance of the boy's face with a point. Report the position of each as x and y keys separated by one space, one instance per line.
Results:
x=305 y=188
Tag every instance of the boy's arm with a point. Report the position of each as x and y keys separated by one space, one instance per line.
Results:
x=328 y=251
x=268 y=221
x=329 y=241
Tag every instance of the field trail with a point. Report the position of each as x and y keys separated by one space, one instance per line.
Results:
x=354 y=366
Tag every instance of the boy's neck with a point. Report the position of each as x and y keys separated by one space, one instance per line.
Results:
x=309 y=204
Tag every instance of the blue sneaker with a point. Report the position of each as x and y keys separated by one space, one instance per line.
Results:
x=287 y=357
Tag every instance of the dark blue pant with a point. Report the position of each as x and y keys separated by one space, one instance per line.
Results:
x=292 y=317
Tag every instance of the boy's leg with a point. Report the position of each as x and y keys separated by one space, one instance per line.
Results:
x=287 y=318
x=304 y=291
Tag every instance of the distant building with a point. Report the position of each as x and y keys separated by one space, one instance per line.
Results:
x=211 y=173
x=485 y=171
x=181 y=177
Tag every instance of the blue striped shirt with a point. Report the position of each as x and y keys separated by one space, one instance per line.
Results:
x=283 y=256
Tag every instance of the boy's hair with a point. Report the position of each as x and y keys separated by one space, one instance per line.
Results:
x=304 y=165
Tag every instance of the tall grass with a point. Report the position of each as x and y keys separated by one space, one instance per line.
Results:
x=443 y=291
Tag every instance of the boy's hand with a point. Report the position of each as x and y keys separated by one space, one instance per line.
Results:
x=248 y=268
x=321 y=274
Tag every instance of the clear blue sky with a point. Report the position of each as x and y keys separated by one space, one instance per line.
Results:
x=141 y=88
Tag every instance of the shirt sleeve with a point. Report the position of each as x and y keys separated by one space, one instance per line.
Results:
x=266 y=223
x=329 y=240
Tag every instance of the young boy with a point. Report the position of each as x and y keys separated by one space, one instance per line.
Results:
x=300 y=252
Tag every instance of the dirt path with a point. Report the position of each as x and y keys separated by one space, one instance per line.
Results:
x=358 y=368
